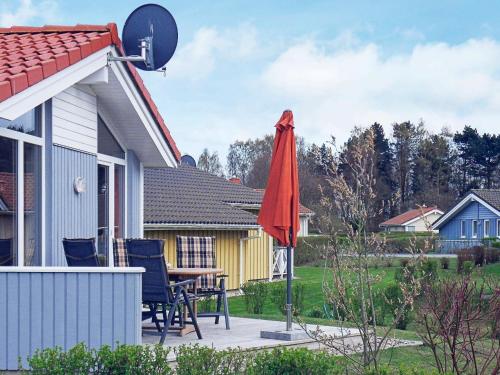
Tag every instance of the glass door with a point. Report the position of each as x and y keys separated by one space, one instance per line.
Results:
x=103 y=217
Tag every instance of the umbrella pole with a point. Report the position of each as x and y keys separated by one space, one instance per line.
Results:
x=289 y=284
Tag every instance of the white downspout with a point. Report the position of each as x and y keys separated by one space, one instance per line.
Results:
x=243 y=239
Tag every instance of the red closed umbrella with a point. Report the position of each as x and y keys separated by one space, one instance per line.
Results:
x=279 y=212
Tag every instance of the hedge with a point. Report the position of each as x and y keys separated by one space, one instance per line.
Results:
x=312 y=250
x=191 y=360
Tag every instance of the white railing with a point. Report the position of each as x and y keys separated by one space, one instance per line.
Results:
x=279 y=261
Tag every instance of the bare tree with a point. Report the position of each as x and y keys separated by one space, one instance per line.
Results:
x=349 y=287
x=210 y=163
x=459 y=320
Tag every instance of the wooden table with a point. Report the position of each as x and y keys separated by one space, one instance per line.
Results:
x=195 y=274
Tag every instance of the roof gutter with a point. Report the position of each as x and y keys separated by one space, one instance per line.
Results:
x=201 y=226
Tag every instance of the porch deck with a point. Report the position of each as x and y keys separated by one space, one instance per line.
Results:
x=245 y=334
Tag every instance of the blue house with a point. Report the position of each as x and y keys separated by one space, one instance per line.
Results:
x=475 y=218
x=76 y=132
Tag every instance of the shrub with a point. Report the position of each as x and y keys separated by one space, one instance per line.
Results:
x=478 y=252
x=295 y=361
x=429 y=269
x=388 y=262
x=206 y=304
x=402 y=242
x=255 y=294
x=480 y=255
x=125 y=359
x=315 y=312
x=191 y=360
x=393 y=297
x=467 y=268
x=404 y=262
x=201 y=360
x=463 y=256
x=495 y=244
x=406 y=274
x=491 y=255
x=310 y=250
x=445 y=263
x=278 y=296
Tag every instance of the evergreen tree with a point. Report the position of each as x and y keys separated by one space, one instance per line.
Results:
x=385 y=185
x=406 y=139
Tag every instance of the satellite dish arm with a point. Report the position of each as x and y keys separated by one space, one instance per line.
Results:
x=145 y=47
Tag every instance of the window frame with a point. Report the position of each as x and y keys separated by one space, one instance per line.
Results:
x=486 y=234
x=463 y=228
x=21 y=139
x=474 y=235
x=498 y=228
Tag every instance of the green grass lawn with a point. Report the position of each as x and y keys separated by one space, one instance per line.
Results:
x=312 y=278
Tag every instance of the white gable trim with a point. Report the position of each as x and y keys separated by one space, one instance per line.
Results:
x=142 y=110
x=28 y=99
x=435 y=211
x=471 y=197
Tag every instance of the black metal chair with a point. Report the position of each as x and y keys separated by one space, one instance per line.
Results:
x=80 y=252
x=199 y=252
x=156 y=289
x=6 y=255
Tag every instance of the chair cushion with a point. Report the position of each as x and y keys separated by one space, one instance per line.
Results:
x=120 y=252
x=197 y=252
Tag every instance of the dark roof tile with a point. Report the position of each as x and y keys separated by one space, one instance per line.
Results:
x=490 y=196
x=187 y=195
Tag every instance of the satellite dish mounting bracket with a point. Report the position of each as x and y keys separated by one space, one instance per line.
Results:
x=145 y=57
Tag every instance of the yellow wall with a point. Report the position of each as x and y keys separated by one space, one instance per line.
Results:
x=256 y=252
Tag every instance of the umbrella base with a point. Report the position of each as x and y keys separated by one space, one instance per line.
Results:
x=293 y=335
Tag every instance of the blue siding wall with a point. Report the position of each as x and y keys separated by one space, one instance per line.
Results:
x=72 y=215
x=134 y=191
x=473 y=211
x=47 y=309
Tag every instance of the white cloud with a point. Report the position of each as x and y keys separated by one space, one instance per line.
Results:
x=331 y=91
x=28 y=13
x=198 y=58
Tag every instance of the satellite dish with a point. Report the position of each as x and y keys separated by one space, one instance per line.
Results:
x=149 y=37
x=188 y=160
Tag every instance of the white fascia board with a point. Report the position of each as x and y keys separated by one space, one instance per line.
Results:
x=199 y=227
x=28 y=99
x=142 y=110
x=424 y=215
x=471 y=197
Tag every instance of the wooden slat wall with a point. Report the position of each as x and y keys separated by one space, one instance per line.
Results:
x=47 y=309
x=72 y=215
x=256 y=252
x=257 y=257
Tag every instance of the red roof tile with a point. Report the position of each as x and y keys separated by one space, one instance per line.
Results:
x=31 y=54
x=408 y=215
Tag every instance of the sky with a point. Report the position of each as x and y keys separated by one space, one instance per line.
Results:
x=336 y=64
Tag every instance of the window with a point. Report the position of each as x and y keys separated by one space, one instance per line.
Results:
x=498 y=228
x=474 y=228
x=21 y=190
x=462 y=228
x=29 y=123
x=486 y=229
x=106 y=142
x=32 y=205
x=8 y=202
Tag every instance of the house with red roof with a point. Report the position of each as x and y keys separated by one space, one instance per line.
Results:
x=416 y=220
x=76 y=132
